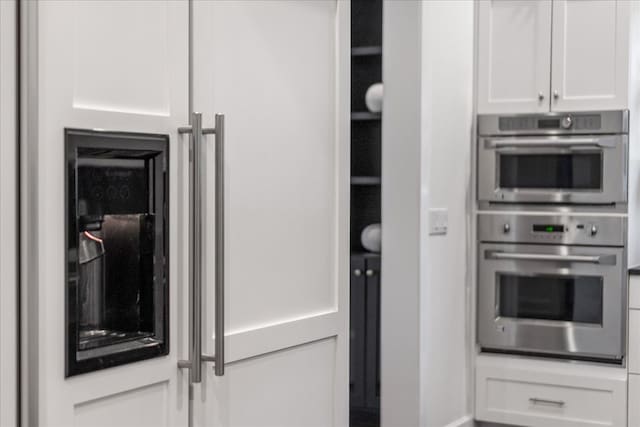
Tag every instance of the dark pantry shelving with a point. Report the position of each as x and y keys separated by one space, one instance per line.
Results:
x=366 y=183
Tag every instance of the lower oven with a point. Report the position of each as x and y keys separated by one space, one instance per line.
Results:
x=552 y=285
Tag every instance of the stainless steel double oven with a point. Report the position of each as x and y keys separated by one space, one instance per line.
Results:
x=552 y=232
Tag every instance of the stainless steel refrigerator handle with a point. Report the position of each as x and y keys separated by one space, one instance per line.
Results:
x=194 y=364
x=595 y=259
x=548 y=143
x=219 y=230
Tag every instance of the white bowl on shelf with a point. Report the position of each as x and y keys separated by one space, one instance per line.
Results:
x=371 y=238
x=373 y=97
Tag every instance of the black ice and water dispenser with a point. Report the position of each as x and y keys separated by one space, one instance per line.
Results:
x=117 y=248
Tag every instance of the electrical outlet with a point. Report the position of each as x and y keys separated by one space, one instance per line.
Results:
x=438 y=221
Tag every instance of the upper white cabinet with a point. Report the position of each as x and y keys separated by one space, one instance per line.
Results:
x=590 y=55
x=555 y=55
x=514 y=59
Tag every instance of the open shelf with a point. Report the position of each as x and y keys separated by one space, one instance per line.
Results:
x=365 y=254
x=365 y=115
x=366 y=50
x=366 y=180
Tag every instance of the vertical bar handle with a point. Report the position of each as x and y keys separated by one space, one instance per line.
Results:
x=220 y=258
x=194 y=364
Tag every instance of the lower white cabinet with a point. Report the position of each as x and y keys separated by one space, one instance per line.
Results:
x=634 y=400
x=540 y=393
x=634 y=291
x=633 y=354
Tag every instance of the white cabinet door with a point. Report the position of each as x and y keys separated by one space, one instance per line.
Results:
x=514 y=54
x=590 y=55
x=279 y=71
x=546 y=393
x=634 y=400
x=8 y=217
x=119 y=66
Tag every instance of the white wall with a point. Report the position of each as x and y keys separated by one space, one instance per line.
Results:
x=401 y=127
x=428 y=75
x=634 y=139
x=447 y=94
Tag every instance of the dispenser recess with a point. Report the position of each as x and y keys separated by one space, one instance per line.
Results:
x=117 y=281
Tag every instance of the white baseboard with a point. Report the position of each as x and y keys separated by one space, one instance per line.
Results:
x=466 y=421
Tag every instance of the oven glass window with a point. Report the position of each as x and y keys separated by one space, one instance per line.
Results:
x=560 y=298
x=574 y=171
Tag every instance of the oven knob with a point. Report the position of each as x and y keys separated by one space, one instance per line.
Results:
x=594 y=230
x=506 y=228
x=567 y=122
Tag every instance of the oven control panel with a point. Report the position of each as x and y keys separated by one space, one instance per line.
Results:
x=572 y=229
x=592 y=122
x=569 y=123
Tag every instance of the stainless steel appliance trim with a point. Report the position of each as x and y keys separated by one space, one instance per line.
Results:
x=553 y=143
x=518 y=227
x=596 y=259
x=220 y=245
x=619 y=209
x=612 y=122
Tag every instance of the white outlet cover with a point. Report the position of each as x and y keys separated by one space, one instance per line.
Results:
x=438 y=221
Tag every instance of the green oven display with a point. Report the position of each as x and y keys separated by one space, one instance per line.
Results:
x=548 y=228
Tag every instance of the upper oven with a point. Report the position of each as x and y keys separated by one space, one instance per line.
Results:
x=553 y=158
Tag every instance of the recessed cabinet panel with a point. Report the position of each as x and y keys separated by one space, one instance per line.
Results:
x=514 y=56
x=128 y=70
x=590 y=55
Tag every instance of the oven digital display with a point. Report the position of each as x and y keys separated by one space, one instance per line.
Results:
x=548 y=228
x=548 y=123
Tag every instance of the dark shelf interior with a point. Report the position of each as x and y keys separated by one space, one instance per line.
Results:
x=365 y=202
x=366 y=23
x=366 y=186
x=365 y=71
x=366 y=148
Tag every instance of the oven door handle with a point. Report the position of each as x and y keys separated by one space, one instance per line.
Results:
x=589 y=259
x=550 y=143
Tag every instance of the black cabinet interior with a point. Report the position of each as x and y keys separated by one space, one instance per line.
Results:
x=117 y=248
x=366 y=69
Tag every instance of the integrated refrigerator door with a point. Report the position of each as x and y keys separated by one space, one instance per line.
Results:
x=117 y=260
x=104 y=234
x=9 y=218
x=272 y=210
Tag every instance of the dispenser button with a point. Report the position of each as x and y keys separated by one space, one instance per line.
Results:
x=594 y=230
